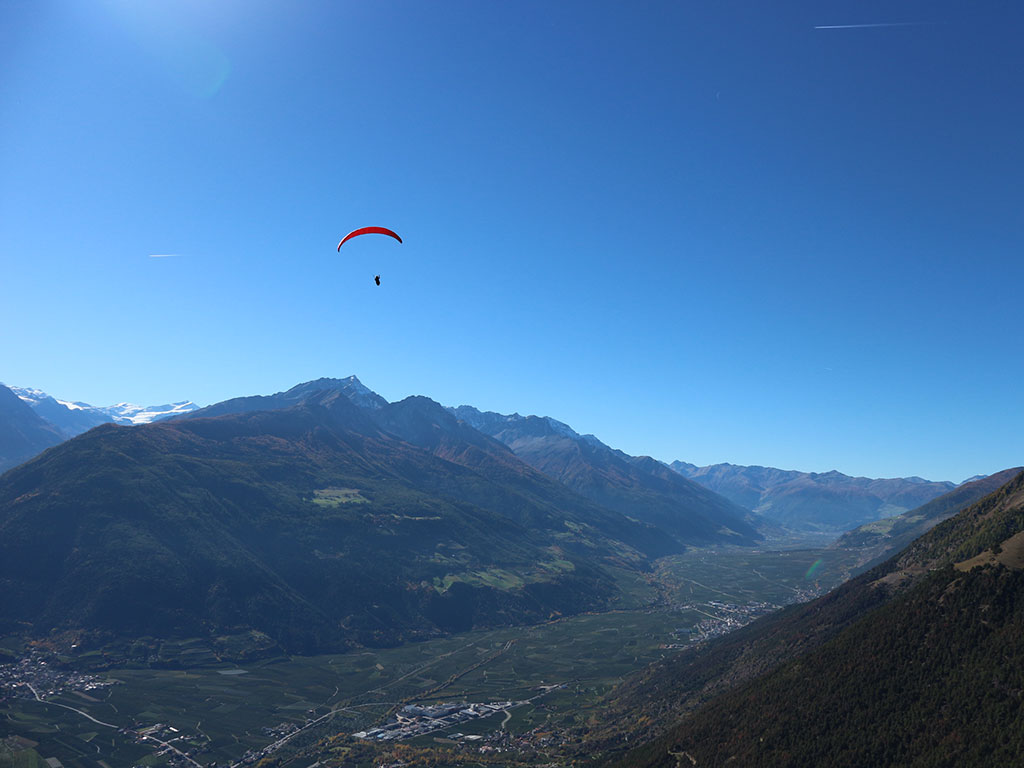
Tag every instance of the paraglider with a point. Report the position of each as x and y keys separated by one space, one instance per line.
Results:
x=367 y=231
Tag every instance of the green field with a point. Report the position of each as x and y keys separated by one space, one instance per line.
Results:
x=333 y=497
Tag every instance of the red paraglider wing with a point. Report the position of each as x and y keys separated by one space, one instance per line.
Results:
x=367 y=231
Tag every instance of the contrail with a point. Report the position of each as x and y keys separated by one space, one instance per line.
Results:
x=883 y=24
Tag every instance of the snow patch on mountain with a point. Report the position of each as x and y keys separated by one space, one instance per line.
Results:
x=35 y=397
x=129 y=413
x=74 y=406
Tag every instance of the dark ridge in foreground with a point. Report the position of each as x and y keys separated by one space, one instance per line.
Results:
x=920 y=662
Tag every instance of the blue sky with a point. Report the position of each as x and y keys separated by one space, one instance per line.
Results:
x=700 y=231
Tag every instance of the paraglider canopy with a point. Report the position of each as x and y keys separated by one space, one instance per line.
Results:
x=367 y=231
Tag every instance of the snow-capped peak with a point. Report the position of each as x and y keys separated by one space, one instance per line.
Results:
x=30 y=396
x=35 y=397
x=72 y=417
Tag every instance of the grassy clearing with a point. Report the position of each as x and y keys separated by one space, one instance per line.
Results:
x=1009 y=553
x=335 y=497
x=501 y=578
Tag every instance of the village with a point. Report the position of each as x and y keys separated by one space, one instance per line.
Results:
x=34 y=677
x=720 y=619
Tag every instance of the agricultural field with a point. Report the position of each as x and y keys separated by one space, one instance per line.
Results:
x=742 y=575
x=221 y=711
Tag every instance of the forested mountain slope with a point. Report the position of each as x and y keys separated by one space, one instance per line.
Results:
x=637 y=486
x=880 y=539
x=310 y=524
x=919 y=662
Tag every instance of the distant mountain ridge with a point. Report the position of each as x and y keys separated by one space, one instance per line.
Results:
x=74 y=418
x=763 y=499
x=638 y=486
x=828 y=502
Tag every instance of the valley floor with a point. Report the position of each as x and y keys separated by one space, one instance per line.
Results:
x=533 y=691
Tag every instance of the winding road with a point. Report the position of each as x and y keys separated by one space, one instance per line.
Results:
x=65 y=706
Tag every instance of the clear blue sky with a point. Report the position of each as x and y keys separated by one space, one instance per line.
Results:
x=699 y=230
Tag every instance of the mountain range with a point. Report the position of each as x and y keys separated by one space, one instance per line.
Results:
x=781 y=504
x=823 y=502
x=324 y=518
x=317 y=522
x=250 y=515
x=74 y=418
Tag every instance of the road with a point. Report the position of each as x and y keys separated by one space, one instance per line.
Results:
x=270 y=748
x=776 y=583
x=55 y=704
x=712 y=589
